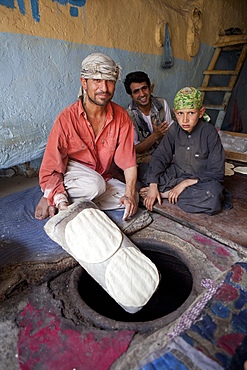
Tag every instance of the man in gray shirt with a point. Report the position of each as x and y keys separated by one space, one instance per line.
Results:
x=151 y=117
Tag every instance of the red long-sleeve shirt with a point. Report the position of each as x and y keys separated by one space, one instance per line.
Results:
x=72 y=137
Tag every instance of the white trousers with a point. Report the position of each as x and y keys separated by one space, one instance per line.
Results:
x=81 y=182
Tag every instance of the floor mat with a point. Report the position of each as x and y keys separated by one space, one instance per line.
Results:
x=218 y=338
x=23 y=239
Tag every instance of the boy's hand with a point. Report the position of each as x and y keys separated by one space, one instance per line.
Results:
x=152 y=194
x=178 y=189
x=175 y=192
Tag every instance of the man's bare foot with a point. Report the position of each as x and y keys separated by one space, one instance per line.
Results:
x=43 y=211
x=143 y=192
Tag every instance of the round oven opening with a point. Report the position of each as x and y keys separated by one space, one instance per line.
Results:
x=176 y=283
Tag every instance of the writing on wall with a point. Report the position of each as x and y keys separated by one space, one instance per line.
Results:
x=34 y=4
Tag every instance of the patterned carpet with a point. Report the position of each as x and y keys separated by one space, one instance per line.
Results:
x=218 y=339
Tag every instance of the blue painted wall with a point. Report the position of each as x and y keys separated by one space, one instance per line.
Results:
x=39 y=77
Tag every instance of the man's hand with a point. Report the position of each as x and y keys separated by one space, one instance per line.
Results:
x=62 y=206
x=130 y=204
x=130 y=198
x=157 y=134
x=160 y=130
x=152 y=194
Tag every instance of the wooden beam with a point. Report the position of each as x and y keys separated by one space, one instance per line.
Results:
x=214 y=88
x=231 y=40
x=221 y=72
x=215 y=107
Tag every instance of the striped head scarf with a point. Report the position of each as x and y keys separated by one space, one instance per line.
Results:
x=100 y=66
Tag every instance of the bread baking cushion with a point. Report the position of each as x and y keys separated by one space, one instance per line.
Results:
x=131 y=278
x=92 y=236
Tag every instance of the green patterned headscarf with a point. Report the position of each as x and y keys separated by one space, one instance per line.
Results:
x=189 y=98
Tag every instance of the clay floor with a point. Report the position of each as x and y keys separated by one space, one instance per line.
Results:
x=13 y=184
x=44 y=327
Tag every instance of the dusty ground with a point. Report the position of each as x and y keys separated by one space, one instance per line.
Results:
x=16 y=183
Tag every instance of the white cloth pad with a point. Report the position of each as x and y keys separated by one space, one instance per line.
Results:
x=106 y=253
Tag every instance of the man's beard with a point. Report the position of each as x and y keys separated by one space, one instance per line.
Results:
x=100 y=104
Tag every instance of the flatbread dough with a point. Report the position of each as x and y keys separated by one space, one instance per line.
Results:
x=229 y=165
x=242 y=170
x=228 y=169
x=92 y=236
x=131 y=278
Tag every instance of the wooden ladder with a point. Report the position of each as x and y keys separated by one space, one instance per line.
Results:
x=231 y=43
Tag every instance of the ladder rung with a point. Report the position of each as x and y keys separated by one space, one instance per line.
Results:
x=218 y=72
x=220 y=88
x=216 y=107
x=225 y=44
x=231 y=40
x=232 y=44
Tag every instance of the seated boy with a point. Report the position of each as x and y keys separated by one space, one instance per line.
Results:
x=188 y=165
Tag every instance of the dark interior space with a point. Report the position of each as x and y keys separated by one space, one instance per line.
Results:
x=174 y=288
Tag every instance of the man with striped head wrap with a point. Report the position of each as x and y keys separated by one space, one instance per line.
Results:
x=87 y=138
x=104 y=72
x=188 y=166
x=99 y=66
